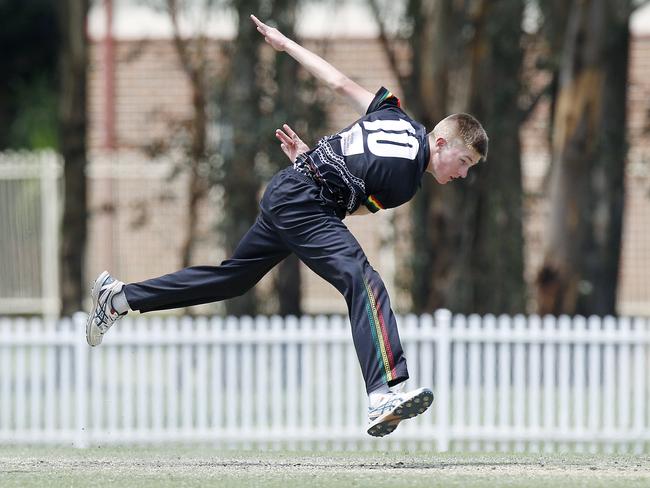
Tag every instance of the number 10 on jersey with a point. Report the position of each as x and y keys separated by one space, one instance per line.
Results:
x=385 y=138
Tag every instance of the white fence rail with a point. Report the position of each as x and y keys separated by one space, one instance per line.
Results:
x=501 y=383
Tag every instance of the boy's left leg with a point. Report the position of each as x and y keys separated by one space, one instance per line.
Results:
x=321 y=240
x=327 y=247
x=331 y=251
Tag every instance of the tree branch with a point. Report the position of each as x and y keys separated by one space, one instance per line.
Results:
x=388 y=49
x=526 y=112
x=180 y=44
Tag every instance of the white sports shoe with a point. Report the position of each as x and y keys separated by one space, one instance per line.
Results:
x=102 y=316
x=391 y=408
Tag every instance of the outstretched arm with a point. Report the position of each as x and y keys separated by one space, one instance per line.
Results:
x=356 y=95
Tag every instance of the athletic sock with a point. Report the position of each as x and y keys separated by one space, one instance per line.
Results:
x=119 y=303
x=375 y=395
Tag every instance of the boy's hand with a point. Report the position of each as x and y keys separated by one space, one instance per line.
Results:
x=271 y=35
x=290 y=143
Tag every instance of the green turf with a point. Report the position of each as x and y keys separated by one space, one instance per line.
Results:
x=190 y=467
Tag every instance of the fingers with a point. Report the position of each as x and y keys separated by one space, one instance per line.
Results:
x=261 y=26
x=290 y=131
x=284 y=138
x=288 y=152
x=291 y=144
x=257 y=21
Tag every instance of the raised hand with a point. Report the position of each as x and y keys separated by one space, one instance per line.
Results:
x=271 y=35
x=290 y=143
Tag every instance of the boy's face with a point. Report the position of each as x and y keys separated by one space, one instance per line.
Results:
x=453 y=160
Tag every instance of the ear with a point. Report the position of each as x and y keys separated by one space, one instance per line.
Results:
x=440 y=142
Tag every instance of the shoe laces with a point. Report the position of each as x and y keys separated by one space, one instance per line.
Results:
x=387 y=402
x=105 y=316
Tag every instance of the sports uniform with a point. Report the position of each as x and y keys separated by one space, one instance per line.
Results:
x=378 y=162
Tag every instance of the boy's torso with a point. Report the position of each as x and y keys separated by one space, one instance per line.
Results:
x=377 y=161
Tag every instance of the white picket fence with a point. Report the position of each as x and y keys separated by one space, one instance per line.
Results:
x=501 y=383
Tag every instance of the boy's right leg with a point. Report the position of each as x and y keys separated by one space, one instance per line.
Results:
x=259 y=250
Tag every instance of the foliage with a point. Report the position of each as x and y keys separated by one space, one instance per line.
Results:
x=29 y=40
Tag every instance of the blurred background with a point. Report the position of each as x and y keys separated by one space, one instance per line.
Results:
x=137 y=136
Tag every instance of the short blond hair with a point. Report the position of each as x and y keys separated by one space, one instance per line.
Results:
x=467 y=129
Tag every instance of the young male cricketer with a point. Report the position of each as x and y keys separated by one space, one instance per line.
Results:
x=375 y=163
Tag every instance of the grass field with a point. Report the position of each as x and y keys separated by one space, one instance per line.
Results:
x=188 y=467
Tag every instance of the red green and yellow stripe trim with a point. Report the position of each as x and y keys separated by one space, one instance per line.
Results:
x=389 y=94
x=373 y=204
x=380 y=335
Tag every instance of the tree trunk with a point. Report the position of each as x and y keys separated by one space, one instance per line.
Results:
x=426 y=92
x=467 y=236
x=491 y=207
x=197 y=182
x=287 y=285
x=242 y=116
x=289 y=110
x=194 y=63
x=579 y=274
x=477 y=246
x=72 y=119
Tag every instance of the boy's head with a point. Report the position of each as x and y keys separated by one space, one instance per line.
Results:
x=457 y=142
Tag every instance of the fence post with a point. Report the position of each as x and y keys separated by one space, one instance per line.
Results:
x=443 y=323
x=81 y=380
x=50 y=169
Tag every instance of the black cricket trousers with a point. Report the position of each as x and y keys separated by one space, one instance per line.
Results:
x=295 y=218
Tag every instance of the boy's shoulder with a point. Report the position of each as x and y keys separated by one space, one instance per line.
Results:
x=384 y=98
x=388 y=104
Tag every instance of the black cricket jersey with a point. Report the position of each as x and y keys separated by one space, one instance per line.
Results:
x=378 y=161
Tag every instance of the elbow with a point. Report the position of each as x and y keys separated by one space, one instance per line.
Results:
x=340 y=84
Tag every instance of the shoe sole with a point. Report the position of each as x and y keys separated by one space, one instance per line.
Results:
x=409 y=408
x=94 y=293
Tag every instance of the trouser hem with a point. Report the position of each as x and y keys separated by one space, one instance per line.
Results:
x=402 y=376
